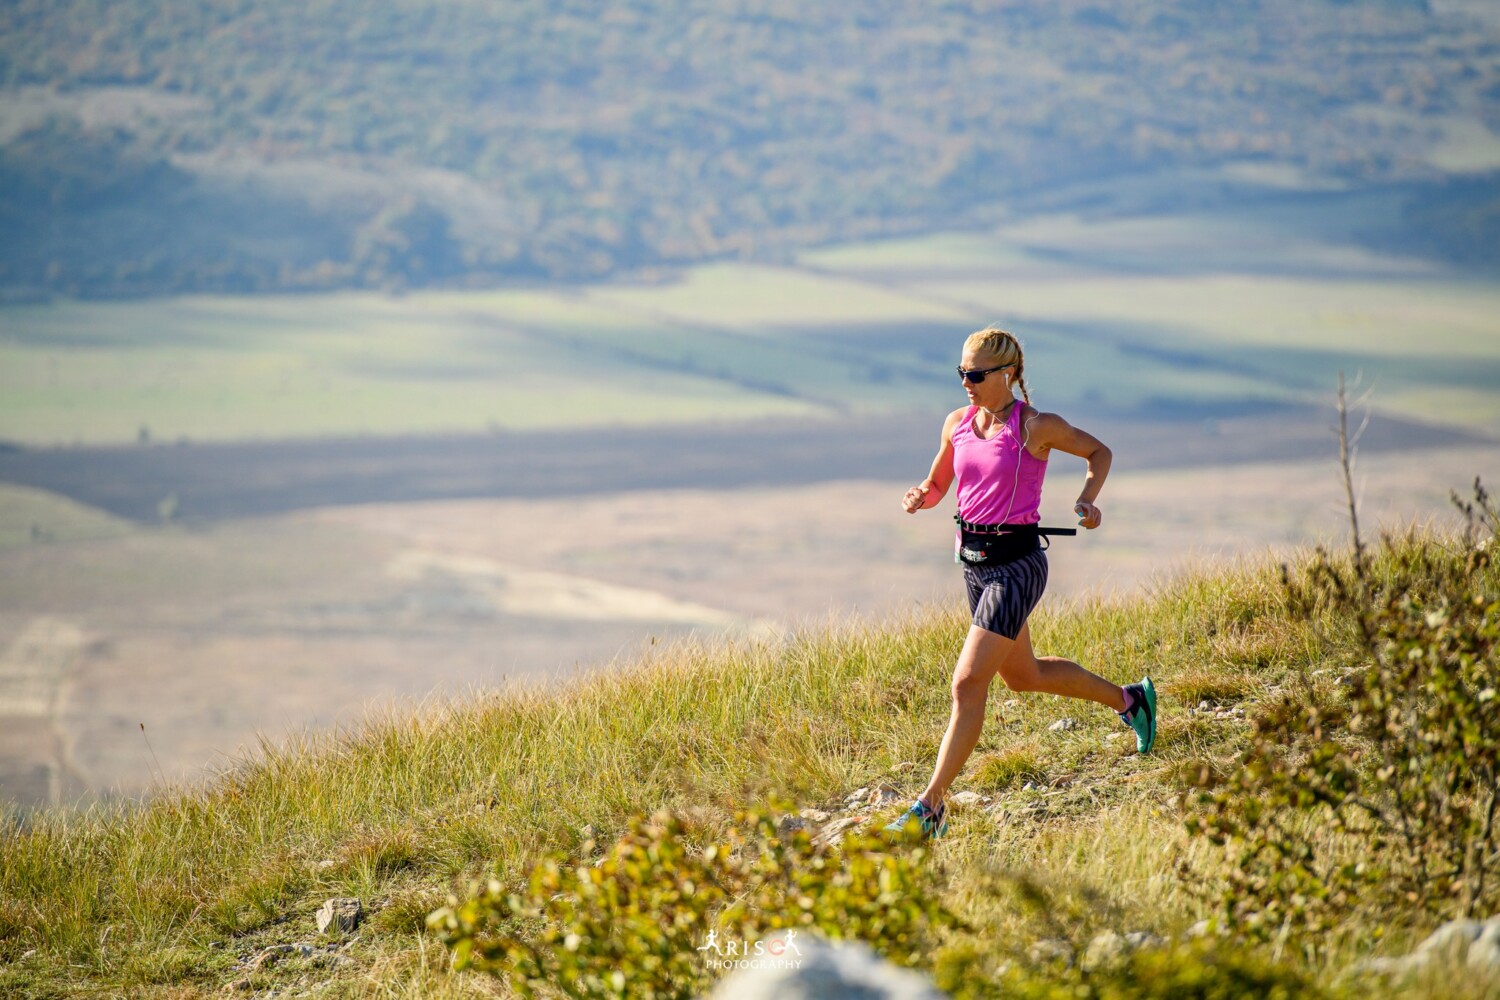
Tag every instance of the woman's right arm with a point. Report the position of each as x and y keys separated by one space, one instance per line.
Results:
x=935 y=486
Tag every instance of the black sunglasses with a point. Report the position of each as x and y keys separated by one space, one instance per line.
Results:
x=977 y=375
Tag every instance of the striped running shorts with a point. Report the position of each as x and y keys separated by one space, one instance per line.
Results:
x=1002 y=596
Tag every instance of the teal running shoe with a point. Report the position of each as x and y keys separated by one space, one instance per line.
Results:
x=1141 y=715
x=931 y=823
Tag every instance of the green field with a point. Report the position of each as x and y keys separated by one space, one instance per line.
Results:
x=30 y=515
x=1167 y=316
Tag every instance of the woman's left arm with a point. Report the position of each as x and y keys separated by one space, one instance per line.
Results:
x=1050 y=431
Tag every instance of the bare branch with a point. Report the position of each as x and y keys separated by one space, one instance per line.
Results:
x=1346 y=462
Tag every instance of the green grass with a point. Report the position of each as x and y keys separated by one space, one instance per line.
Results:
x=226 y=368
x=163 y=898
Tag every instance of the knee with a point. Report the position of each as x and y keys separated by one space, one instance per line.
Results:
x=970 y=689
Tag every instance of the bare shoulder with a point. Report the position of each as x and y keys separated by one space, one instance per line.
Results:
x=1041 y=421
x=1046 y=431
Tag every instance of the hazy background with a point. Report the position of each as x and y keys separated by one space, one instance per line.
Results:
x=353 y=352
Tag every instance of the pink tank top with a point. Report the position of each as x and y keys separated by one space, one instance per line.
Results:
x=990 y=487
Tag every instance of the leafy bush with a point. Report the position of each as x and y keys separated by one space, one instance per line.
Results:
x=1197 y=970
x=1385 y=796
x=636 y=921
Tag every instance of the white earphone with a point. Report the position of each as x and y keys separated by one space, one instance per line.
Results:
x=1021 y=446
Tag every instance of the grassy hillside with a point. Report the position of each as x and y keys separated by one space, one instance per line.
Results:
x=174 y=897
x=183 y=145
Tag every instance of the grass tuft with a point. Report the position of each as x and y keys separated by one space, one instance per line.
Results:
x=1009 y=768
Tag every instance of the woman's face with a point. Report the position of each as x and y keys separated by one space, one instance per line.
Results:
x=993 y=392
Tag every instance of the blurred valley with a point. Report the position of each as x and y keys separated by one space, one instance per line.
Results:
x=222 y=145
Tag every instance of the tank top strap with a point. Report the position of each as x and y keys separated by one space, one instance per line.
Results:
x=966 y=423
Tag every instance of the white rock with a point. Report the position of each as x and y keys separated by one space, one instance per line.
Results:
x=847 y=969
x=833 y=832
x=1453 y=938
x=1485 y=955
x=966 y=799
x=1200 y=929
x=1390 y=966
x=340 y=915
x=814 y=815
x=856 y=798
x=1013 y=703
x=1204 y=706
x=1062 y=725
x=1143 y=939
x=276 y=951
x=1051 y=948
x=884 y=795
x=1103 y=951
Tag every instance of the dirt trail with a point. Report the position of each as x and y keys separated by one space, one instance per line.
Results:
x=540 y=594
x=35 y=763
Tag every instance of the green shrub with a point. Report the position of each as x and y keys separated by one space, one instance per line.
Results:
x=1197 y=970
x=636 y=921
x=1383 y=796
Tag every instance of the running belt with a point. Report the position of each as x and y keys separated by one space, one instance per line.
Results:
x=1016 y=529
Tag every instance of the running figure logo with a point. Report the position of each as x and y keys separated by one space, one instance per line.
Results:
x=742 y=951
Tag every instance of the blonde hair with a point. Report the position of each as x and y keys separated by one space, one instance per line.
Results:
x=1004 y=348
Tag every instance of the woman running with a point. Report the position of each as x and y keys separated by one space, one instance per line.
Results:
x=995 y=450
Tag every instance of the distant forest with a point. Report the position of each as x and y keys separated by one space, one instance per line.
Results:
x=158 y=146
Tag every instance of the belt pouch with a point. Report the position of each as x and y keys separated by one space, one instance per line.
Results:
x=994 y=549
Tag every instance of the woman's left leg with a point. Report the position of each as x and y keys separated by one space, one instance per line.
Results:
x=1023 y=670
